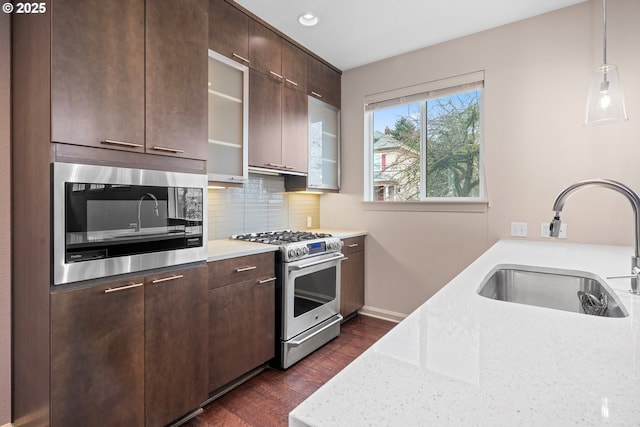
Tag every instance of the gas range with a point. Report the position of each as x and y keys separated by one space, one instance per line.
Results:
x=307 y=290
x=295 y=245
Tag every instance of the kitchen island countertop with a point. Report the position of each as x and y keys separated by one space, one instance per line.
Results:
x=463 y=359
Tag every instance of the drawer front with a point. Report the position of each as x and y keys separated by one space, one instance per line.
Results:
x=353 y=244
x=236 y=270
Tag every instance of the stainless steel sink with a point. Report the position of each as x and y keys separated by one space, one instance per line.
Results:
x=550 y=288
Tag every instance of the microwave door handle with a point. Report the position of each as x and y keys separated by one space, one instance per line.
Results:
x=311 y=264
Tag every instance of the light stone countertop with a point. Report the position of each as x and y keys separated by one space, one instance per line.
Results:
x=343 y=234
x=464 y=360
x=227 y=248
x=221 y=249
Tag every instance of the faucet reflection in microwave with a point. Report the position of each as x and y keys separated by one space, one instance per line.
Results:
x=145 y=195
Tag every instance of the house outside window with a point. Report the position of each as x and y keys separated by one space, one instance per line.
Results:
x=424 y=142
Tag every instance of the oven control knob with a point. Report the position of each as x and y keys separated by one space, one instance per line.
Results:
x=299 y=252
x=305 y=250
x=292 y=253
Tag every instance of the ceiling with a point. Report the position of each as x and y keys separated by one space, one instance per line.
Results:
x=351 y=33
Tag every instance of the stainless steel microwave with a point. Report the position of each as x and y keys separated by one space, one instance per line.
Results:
x=110 y=220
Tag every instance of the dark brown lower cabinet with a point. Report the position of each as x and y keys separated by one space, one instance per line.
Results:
x=352 y=277
x=175 y=315
x=97 y=355
x=130 y=353
x=241 y=329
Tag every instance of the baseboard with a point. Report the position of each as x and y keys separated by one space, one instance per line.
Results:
x=383 y=314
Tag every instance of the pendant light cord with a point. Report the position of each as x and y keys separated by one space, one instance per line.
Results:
x=604 y=32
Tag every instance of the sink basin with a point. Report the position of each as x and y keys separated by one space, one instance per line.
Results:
x=549 y=288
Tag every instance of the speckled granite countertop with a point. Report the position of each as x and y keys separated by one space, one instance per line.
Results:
x=464 y=360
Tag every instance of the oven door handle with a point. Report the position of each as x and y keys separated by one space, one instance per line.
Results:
x=311 y=264
x=319 y=331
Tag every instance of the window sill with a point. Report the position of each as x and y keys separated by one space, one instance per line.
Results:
x=470 y=206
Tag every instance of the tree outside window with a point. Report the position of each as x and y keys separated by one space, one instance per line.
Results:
x=430 y=148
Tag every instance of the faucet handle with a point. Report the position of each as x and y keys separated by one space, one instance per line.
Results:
x=635 y=274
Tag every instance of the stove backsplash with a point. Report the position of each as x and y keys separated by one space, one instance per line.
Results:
x=261 y=205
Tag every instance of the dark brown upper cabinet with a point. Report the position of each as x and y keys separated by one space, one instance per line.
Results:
x=176 y=78
x=294 y=129
x=277 y=125
x=294 y=66
x=323 y=82
x=265 y=50
x=228 y=31
x=97 y=72
x=129 y=75
x=265 y=121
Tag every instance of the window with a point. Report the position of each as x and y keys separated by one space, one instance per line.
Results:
x=424 y=142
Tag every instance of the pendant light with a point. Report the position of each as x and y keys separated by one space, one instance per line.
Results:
x=605 y=102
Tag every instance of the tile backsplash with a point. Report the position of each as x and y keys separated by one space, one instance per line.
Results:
x=261 y=205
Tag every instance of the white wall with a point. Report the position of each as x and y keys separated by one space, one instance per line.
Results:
x=5 y=224
x=536 y=77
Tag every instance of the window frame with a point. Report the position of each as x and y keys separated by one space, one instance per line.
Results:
x=420 y=93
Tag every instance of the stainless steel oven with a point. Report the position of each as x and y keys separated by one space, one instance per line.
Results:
x=311 y=317
x=307 y=290
x=111 y=220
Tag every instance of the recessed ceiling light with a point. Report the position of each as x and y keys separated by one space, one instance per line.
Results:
x=308 y=19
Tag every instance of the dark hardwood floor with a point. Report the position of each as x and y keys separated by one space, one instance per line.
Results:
x=267 y=399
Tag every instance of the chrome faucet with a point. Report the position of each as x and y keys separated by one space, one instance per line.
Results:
x=554 y=227
x=139 y=223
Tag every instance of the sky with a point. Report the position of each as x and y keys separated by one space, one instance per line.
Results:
x=389 y=116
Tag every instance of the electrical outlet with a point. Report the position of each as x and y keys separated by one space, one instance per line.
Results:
x=309 y=222
x=544 y=230
x=519 y=229
x=563 y=231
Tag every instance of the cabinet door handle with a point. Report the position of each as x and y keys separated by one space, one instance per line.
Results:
x=345 y=258
x=316 y=94
x=270 y=279
x=166 y=279
x=242 y=58
x=353 y=245
x=275 y=165
x=121 y=143
x=122 y=288
x=168 y=149
x=273 y=73
x=241 y=269
x=292 y=82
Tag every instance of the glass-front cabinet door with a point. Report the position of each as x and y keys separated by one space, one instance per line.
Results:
x=324 y=146
x=228 y=120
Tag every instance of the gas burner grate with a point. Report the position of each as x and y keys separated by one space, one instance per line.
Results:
x=280 y=237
